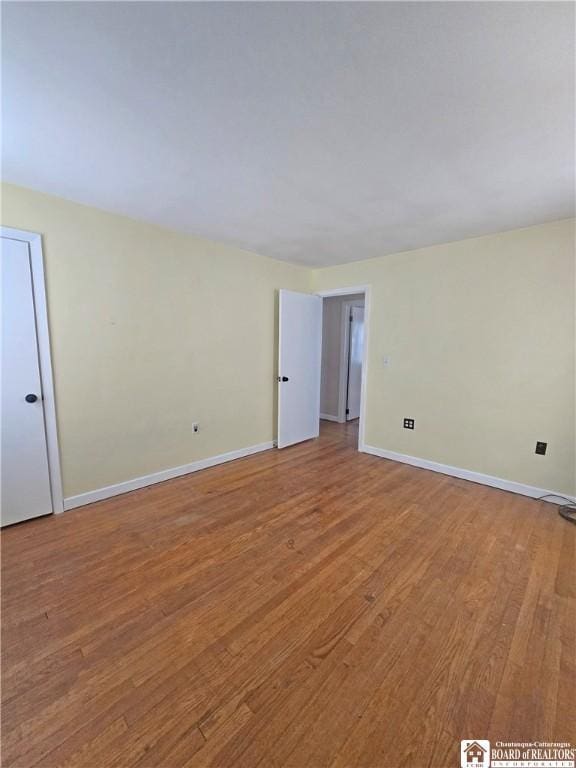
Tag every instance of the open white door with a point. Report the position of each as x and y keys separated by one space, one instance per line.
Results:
x=25 y=487
x=355 y=355
x=299 y=365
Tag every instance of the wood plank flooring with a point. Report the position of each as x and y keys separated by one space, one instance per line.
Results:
x=307 y=607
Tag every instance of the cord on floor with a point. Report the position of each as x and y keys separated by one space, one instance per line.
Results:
x=567 y=511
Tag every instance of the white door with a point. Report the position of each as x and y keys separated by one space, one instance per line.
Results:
x=356 y=342
x=25 y=478
x=299 y=362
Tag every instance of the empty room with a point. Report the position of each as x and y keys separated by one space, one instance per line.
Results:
x=288 y=451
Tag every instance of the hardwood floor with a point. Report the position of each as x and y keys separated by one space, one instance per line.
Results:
x=306 y=607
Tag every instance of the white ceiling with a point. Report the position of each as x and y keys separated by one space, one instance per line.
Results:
x=318 y=133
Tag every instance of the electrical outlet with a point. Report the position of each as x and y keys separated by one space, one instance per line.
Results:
x=195 y=427
x=541 y=448
x=408 y=423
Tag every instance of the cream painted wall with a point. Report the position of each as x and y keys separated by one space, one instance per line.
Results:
x=331 y=348
x=152 y=330
x=482 y=344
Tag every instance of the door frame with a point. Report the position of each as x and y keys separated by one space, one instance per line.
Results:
x=34 y=241
x=365 y=289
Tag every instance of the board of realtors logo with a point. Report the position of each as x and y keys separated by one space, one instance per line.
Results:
x=475 y=753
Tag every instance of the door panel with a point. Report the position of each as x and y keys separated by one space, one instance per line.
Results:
x=25 y=487
x=299 y=362
x=356 y=341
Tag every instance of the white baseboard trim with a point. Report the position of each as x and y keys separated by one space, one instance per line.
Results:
x=467 y=474
x=159 y=477
x=328 y=417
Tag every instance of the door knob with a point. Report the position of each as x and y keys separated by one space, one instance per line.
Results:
x=31 y=398
x=282 y=378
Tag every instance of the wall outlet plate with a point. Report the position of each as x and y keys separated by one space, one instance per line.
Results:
x=408 y=423
x=541 y=448
x=195 y=426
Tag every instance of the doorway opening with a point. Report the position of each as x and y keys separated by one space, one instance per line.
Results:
x=321 y=363
x=343 y=358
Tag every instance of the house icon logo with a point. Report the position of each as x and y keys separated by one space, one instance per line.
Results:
x=475 y=753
